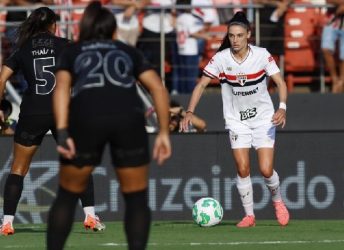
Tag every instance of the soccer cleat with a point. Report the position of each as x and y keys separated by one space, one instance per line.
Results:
x=247 y=221
x=93 y=223
x=6 y=229
x=282 y=213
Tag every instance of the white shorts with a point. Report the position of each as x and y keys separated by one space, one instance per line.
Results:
x=259 y=137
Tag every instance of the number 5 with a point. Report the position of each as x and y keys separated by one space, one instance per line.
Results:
x=43 y=75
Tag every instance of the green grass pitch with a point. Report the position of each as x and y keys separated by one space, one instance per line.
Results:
x=184 y=235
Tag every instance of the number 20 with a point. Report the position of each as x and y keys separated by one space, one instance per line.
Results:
x=115 y=66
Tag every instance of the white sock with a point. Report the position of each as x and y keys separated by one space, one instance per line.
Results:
x=8 y=218
x=245 y=189
x=273 y=185
x=89 y=211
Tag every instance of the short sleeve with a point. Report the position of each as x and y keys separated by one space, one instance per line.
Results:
x=141 y=64
x=212 y=69
x=270 y=67
x=64 y=61
x=13 y=61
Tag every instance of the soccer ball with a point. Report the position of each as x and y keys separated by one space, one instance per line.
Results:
x=207 y=212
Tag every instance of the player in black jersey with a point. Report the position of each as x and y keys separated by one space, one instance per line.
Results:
x=104 y=108
x=35 y=55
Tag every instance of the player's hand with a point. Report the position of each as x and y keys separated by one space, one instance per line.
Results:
x=186 y=122
x=279 y=118
x=162 y=148
x=2 y=117
x=65 y=144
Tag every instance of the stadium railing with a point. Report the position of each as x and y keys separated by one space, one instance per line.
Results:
x=302 y=62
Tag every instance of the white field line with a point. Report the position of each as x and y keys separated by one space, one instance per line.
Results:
x=234 y=243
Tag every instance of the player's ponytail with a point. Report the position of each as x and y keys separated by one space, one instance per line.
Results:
x=39 y=21
x=97 y=23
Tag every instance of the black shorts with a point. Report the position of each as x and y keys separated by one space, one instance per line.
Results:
x=126 y=136
x=31 y=129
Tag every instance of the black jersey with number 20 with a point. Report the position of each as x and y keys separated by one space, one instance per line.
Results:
x=37 y=60
x=104 y=75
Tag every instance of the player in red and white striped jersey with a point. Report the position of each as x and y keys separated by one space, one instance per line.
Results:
x=248 y=110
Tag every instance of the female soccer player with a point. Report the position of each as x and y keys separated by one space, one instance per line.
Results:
x=96 y=103
x=248 y=110
x=35 y=55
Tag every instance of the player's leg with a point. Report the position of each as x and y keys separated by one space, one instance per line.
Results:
x=137 y=218
x=241 y=140
x=244 y=185
x=14 y=185
x=130 y=155
x=28 y=136
x=72 y=182
x=263 y=141
x=91 y=220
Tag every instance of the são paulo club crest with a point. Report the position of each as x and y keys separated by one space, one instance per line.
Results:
x=241 y=78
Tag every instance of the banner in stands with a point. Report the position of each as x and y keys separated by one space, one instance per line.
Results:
x=310 y=165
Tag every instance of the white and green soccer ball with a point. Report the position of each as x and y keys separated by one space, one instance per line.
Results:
x=207 y=212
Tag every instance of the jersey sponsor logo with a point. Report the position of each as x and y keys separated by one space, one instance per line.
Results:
x=245 y=93
x=248 y=114
x=234 y=137
x=241 y=78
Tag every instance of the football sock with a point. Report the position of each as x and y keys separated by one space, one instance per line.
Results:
x=245 y=189
x=273 y=185
x=60 y=219
x=12 y=193
x=137 y=219
x=87 y=199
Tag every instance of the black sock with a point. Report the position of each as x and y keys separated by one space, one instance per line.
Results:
x=12 y=193
x=60 y=219
x=137 y=219
x=87 y=197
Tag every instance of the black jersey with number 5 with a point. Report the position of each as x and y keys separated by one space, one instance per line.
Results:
x=104 y=75
x=37 y=60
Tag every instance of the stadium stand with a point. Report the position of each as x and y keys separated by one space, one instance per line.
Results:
x=302 y=45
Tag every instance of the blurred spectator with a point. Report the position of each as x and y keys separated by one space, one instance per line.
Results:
x=177 y=113
x=149 y=40
x=128 y=28
x=225 y=14
x=77 y=14
x=7 y=127
x=209 y=16
x=272 y=25
x=190 y=27
x=333 y=32
x=271 y=19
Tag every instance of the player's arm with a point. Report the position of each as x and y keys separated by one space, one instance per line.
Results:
x=5 y=74
x=279 y=118
x=195 y=97
x=61 y=100
x=162 y=146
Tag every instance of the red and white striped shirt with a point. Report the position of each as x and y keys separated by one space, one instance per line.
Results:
x=243 y=85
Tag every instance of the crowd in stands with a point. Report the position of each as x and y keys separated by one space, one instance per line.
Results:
x=192 y=35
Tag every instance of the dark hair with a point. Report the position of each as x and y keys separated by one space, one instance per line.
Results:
x=39 y=21
x=97 y=23
x=238 y=19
